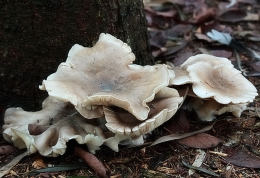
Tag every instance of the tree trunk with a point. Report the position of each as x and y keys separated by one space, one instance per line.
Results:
x=36 y=35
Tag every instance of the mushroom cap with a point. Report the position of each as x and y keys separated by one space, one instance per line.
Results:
x=104 y=75
x=56 y=124
x=222 y=82
x=182 y=75
x=162 y=108
x=208 y=109
x=206 y=58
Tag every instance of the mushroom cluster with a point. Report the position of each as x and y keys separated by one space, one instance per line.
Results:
x=98 y=97
x=217 y=87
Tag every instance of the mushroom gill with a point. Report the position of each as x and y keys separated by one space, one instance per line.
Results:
x=162 y=108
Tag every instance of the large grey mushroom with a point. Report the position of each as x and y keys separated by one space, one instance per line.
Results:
x=105 y=75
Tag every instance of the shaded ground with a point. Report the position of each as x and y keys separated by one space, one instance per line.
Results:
x=178 y=30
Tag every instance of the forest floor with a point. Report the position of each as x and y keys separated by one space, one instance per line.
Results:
x=178 y=29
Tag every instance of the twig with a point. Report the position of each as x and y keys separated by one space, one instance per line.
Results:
x=218 y=153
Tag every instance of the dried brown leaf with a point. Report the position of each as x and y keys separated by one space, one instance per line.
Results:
x=179 y=136
x=202 y=140
x=179 y=30
x=237 y=15
x=205 y=15
x=242 y=158
x=221 y=53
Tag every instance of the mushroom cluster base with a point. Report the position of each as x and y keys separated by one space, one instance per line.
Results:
x=98 y=97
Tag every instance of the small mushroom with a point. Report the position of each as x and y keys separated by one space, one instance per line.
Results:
x=104 y=75
x=214 y=77
x=207 y=110
x=162 y=108
x=57 y=123
x=182 y=75
x=222 y=82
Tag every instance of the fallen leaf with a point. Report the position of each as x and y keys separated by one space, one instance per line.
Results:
x=179 y=30
x=205 y=15
x=232 y=15
x=201 y=140
x=221 y=53
x=256 y=66
x=179 y=136
x=223 y=38
x=242 y=158
x=158 y=38
x=237 y=15
x=159 y=19
x=91 y=161
x=7 y=149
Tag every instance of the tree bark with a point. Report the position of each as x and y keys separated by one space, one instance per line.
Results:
x=36 y=35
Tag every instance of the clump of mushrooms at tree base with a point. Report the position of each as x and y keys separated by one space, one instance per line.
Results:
x=98 y=97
